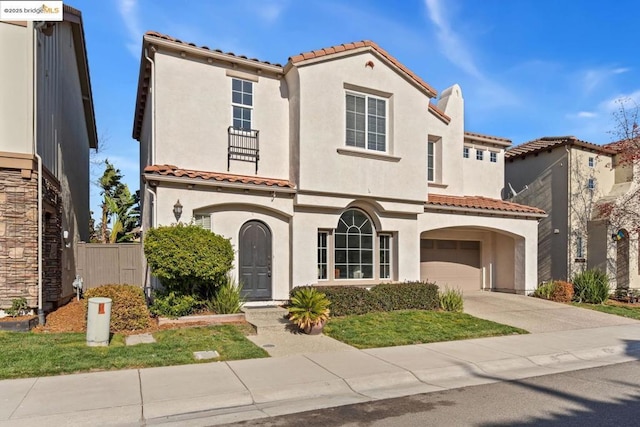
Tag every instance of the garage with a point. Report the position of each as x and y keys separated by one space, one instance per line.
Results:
x=455 y=263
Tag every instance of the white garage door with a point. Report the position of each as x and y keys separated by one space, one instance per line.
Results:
x=455 y=263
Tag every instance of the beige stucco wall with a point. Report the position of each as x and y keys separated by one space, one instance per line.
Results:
x=482 y=177
x=322 y=131
x=193 y=112
x=16 y=116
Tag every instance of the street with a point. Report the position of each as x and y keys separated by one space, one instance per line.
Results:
x=607 y=396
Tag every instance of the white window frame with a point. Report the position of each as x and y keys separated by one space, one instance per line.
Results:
x=324 y=249
x=493 y=157
x=367 y=97
x=592 y=162
x=591 y=184
x=466 y=152
x=202 y=220
x=431 y=156
x=479 y=154
x=388 y=250
x=242 y=105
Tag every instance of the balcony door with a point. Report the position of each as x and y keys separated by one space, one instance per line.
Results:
x=255 y=260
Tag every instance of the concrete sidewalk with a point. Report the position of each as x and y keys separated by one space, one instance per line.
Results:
x=220 y=392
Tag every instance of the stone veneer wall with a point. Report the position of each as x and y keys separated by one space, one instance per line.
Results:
x=19 y=239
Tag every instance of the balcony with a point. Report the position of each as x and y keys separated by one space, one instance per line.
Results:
x=243 y=146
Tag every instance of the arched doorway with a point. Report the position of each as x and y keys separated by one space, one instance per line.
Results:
x=622 y=259
x=255 y=260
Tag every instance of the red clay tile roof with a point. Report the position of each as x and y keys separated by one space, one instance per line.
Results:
x=357 y=45
x=173 y=39
x=481 y=136
x=549 y=142
x=170 y=170
x=479 y=202
x=439 y=113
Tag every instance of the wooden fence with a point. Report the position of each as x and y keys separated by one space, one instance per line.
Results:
x=102 y=264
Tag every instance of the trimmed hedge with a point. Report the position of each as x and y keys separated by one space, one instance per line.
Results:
x=353 y=300
x=129 y=310
x=407 y=296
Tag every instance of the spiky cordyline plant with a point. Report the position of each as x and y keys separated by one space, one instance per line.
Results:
x=309 y=307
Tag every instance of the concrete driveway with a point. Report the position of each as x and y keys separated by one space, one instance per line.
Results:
x=536 y=315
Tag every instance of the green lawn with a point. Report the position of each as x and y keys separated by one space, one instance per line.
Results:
x=39 y=354
x=384 y=329
x=610 y=307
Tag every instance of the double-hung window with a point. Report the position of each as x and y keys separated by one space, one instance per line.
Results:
x=385 y=256
x=493 y=157
x=242 y=103
x=366 y=122
x=591 y=184
x=431 y=161
x=465 y=152
x=592 y=162
x=322 y=255
x=479 y=154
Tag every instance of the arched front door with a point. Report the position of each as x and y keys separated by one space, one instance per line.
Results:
x=255 y=260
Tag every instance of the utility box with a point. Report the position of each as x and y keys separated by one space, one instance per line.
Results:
x=98 y=319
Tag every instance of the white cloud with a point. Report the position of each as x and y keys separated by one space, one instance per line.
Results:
x=269 y=11
x=452 y=46
x=596 y=77
x=128 y=10
x=628 y=100
x=586 y=114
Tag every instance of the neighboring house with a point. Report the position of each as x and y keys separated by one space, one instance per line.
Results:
x=334 y=169
x=569 y=179
x=46 y=113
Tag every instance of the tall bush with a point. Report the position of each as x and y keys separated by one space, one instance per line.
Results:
x=188 y=259
x=129 y=310
x=591 y=286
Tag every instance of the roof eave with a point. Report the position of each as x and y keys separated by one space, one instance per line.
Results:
x=485 y=212
x=147 y=177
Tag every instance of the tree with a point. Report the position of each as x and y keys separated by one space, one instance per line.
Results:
x=188 y=259
x=120 y=208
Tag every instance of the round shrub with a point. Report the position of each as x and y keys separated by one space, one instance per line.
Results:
x=172 y=305
x=188 y=259
x=562 y=291
x=451 y=300
x=129 y=310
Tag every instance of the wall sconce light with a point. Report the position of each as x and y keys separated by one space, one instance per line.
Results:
x=618 y=236
x=177 y=210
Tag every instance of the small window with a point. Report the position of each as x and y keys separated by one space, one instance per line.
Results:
x=465 y=152
x=431 y=161
x=579 y=249
x=592 y=162
x=591 y=184
x=242 y=103
x=479 y=154
x=366 y=119
x=493 y=157
x=322 y=255
x=203 y=221
x=385 y=256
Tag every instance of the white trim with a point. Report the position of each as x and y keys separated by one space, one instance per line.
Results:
x=366 y=97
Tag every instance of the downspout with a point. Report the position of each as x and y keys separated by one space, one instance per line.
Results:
x=152 y=148
x=36 y=34
x=569 y=203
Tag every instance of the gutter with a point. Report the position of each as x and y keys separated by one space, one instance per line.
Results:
x=488 y=213
x=36 y=33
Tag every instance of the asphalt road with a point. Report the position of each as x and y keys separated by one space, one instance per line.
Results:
x=608 y=396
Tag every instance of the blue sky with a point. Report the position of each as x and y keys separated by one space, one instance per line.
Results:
x=527 y=68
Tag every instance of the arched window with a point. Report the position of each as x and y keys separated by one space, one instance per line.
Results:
x=354 y=246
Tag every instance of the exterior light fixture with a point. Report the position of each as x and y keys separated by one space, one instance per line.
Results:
x=177 y=210
x=618 y=236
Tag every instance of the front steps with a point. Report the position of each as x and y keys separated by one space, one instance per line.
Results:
x=267 y=319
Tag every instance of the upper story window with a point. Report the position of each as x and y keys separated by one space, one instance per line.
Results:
x=242 y=103
x=591 y=184
x=366 y=122
x=493 y=157
x=431 y=161
x=592 y=162
x=465 y=152
x=579 y=248
x=479 y=154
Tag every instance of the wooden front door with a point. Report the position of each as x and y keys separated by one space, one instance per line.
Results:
x=255 y=260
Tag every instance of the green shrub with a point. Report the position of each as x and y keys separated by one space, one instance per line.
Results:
x=544 y=290
x=309 y=307
x=451 y=300
x=591 y=286
x=188 y=259
x=407 y=296
x=129 y=310
x=172 y=305
x=228 y=298
x=349 y=300
x=19 y=307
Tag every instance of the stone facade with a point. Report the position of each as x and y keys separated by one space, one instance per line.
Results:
x=19 y=238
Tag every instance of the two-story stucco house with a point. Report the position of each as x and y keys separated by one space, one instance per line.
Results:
x=332 y=169
x=47 y=128
x=571 y=179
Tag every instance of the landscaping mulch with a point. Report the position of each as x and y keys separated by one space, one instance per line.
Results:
x=72 y=317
